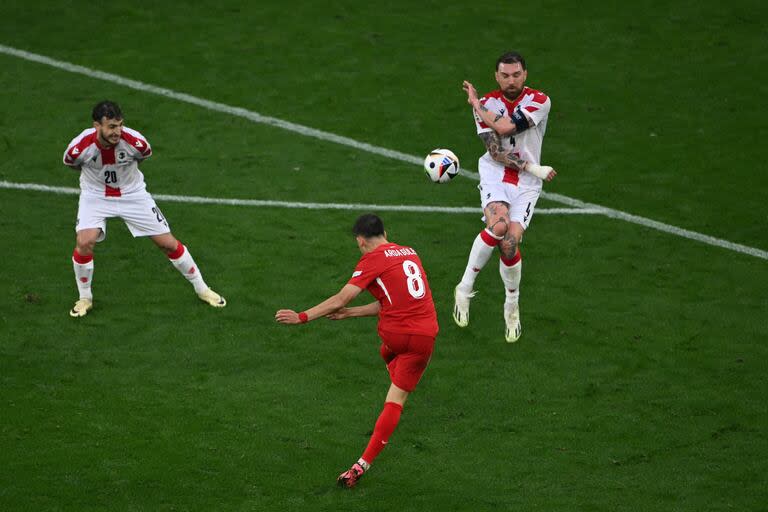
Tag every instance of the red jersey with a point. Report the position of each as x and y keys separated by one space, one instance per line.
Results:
x=394 y=276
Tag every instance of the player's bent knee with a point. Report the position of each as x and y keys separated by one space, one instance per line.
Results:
x=499 y=227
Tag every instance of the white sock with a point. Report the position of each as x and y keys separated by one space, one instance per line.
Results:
x=186 y=265
x=511 y=277
x=84 y=276
x=363 y=464
x=478 y=256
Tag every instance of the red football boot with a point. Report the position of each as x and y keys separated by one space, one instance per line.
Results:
x=350 y=477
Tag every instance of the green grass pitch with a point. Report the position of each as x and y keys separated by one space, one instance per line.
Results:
x=639 y=382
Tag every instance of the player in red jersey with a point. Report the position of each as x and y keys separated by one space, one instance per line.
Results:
x=111 y=185
x=393 y=274
x=511 y=121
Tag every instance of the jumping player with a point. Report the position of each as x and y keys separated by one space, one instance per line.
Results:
x=393 y=274
x=111 y=185
x=511 y=121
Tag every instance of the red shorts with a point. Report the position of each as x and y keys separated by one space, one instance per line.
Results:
x=407 y=356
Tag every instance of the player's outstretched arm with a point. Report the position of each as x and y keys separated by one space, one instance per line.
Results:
x=329 y=305
x=371 y=309
x=492 y=142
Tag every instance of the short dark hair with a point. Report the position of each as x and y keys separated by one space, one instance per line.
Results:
x=368 y=226
x=510 y=58
x=108 y=109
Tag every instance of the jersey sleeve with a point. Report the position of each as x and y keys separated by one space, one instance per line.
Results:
x=73 y=155
x=365 y=272
x=140 y=147
x=535 y=106
x=491 y=104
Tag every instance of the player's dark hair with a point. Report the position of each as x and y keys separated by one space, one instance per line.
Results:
x=511 y=58
x=108 y=109
x=368 y=226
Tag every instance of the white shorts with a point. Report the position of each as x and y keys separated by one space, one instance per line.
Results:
x=521 y=201
x=138 y=211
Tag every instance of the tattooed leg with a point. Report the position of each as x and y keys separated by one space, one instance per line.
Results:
x=497 y=217
x=508 y=245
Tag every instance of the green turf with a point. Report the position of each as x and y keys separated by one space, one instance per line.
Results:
x=640 y=380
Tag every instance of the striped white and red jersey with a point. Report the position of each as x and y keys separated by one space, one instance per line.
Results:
x=110 y=172
x=526 y=145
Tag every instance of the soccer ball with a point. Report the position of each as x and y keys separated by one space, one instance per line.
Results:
x=441 y=165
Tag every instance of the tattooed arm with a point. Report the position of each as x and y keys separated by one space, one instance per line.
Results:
x=502 y=125
x=492 y=142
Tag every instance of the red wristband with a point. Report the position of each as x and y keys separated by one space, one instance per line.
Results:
x=303 y=318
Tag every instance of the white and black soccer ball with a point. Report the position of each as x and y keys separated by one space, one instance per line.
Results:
x=441 y=165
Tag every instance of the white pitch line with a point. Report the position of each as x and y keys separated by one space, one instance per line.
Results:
x=292 y=204
x=331 y=137
x=210 y=105
x=666 y=228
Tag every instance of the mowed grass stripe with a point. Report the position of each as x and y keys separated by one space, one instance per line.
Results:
x=327 y=136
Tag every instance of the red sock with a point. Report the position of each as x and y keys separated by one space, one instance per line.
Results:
x=385 y=425
x=178 y=253
x=513 y=260
x=80 y=259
